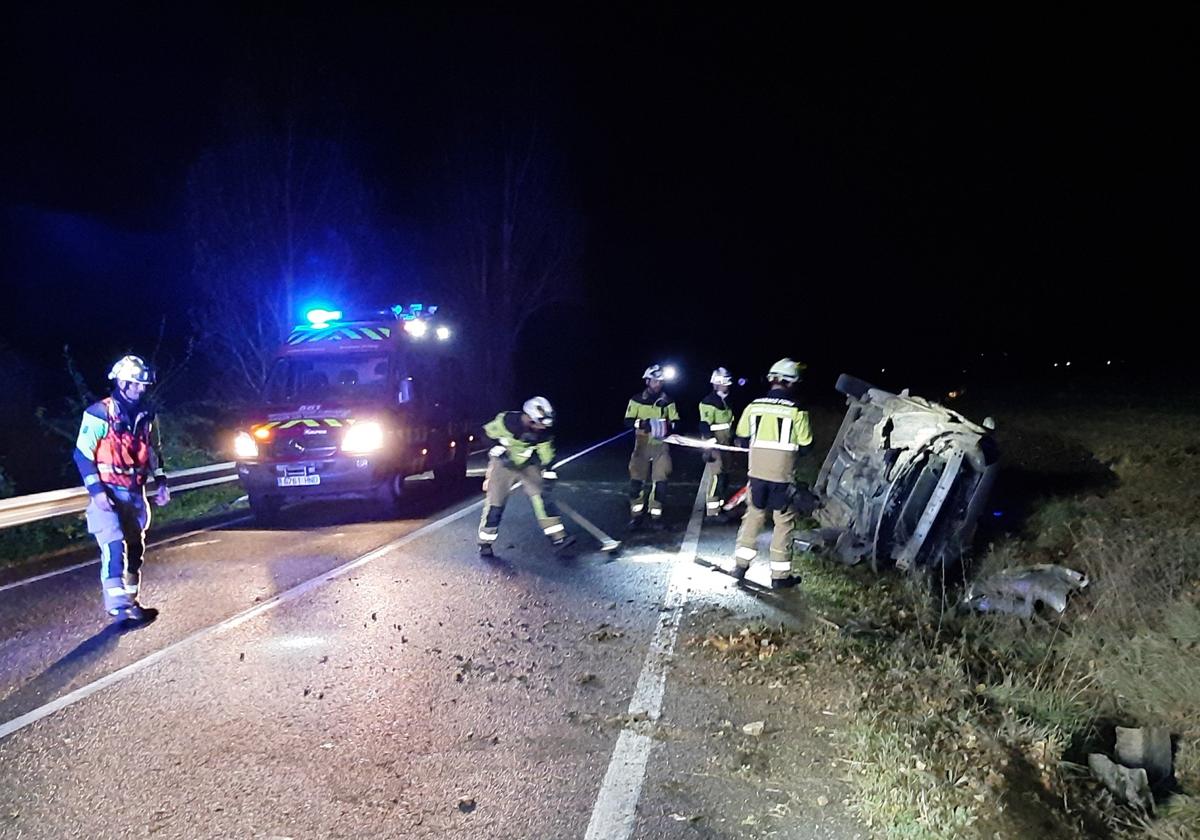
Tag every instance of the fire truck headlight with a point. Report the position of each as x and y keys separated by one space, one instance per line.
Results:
x=244 y=446
x=443 y=333
x=363 y=437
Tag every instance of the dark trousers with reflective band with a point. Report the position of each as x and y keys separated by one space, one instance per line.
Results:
x=773 y=497
x=122 y=538
x=497 y=485
x=651 y=461
x=716 y=474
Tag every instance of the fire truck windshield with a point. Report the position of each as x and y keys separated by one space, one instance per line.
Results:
x=331 y=377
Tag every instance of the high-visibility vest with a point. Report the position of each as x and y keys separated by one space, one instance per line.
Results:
x=777 y=427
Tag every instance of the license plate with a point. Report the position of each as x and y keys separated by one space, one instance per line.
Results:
x=297 y=480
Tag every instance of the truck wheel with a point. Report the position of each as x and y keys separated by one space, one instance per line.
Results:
x=265 y=509
x=391 y=494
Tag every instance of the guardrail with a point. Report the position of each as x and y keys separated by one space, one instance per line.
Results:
x=21 y=510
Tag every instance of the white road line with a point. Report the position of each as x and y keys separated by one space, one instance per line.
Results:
x=615 y=812
x=19 y=723
x=155 y=544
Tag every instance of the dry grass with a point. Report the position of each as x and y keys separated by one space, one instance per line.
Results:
x=972 y=725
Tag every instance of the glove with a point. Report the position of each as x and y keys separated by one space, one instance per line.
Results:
x=162 y=496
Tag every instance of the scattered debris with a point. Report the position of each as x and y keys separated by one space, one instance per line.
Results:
x=681 y=818
x=585 y=678
x=1148 y=749
x=755 y=728
x=605 y=632
x=466 y=804
x=1020 y=589
x=1129 y=785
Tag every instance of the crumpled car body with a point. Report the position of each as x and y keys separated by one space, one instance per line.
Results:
x=904 y=483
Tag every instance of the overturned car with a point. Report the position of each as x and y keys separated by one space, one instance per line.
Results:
x=904 y=483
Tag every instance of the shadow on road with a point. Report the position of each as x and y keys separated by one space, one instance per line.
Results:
x=61 y=675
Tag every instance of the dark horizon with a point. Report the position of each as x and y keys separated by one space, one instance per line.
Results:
x=860 y=194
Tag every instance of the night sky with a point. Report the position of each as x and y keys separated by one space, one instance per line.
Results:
x=860 y=193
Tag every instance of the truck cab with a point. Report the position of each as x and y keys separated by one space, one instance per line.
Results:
x=353 y=407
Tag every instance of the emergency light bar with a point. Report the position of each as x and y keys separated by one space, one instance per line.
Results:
x=321 y=318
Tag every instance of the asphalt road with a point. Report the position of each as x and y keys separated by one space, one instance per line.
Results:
x=417 y=692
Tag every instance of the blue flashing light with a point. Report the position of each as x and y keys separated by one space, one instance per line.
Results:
x=413 y=311
x=320 y=318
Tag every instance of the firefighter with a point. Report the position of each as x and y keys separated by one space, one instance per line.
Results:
x=523 y=453
x=716 y=426
x=652 y=415
x=778 y=432
x=117 y=452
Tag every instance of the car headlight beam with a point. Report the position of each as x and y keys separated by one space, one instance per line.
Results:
x=244 y=445
x=365 y=436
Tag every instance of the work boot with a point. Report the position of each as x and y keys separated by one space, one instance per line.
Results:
x=135 y=612
x=738 y=572
x=485 y=550
x=785 y=583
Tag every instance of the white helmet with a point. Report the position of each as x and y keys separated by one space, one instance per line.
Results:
x=539 y=410
x=654 y=372
x=132 y=369
x=721 y=377
x=786 y=370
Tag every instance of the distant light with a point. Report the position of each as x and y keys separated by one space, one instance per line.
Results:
x=1068 y=364
x=1109 y=362
x=320 y=318
x=883 y=370
x=997 y=513
x=1056 y=364
x=416 y=329
x=670 y=372
x=742 y=382
x=443 y=333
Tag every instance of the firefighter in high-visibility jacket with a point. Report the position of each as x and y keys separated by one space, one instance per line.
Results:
x=777 y=429
x=652 y=415
x=523 y=453
x=117 y=452
x=716 y=426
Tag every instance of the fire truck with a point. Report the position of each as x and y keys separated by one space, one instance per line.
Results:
x=352 y=407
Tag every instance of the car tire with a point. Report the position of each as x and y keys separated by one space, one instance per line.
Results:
x=852 y=386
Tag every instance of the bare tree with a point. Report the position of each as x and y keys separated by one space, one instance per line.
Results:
x=272 y=215
x=514 y=242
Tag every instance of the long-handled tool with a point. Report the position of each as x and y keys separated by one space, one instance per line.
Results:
x=607 y=543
